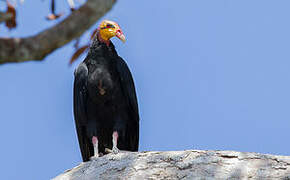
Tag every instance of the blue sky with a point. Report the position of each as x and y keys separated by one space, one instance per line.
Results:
x=209 y=75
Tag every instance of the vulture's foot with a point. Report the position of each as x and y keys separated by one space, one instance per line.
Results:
x=94 y=158
x=115 y=150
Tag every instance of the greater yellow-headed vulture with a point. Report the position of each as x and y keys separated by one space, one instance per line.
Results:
x=105 y=103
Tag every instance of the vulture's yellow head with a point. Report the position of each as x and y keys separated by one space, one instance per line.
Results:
x=109 y=29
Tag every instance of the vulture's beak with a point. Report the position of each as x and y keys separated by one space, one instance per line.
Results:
x=120 y=35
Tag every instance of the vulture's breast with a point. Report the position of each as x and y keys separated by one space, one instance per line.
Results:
x=102 y=84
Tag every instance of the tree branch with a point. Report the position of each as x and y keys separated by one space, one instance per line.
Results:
x=39 y=46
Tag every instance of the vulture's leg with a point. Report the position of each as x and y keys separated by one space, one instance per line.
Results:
x=115 y=142
x=115 y=149
x=96 y=150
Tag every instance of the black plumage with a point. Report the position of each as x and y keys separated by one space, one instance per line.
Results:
x=105 y=101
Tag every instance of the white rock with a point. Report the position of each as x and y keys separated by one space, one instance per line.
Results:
x=190 y=164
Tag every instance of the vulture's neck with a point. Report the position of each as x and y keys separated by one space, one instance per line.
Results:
x=101 y=49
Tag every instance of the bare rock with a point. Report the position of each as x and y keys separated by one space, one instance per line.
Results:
x=190 y=164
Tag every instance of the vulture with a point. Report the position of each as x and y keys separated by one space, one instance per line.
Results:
x=105 y=103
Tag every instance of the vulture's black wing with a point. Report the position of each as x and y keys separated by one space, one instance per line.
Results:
x=128 y=88
x=80 y=108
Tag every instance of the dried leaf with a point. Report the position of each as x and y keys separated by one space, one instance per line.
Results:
x=11 y=22
x=94 y=33
x=78 y=53
x=53 y=16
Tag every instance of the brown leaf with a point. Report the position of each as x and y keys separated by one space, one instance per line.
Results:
x=11 y=22
x=94 y=33
x=78 y=53
x=53 y=16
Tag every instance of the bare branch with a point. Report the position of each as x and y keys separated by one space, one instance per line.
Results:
x=39 y=46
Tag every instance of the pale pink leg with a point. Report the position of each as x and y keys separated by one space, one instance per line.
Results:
x=95 y=143
x=115 y=142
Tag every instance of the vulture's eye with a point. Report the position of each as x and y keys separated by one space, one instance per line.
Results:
x=110 y=26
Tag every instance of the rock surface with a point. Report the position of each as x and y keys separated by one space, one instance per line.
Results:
x=190 y=164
